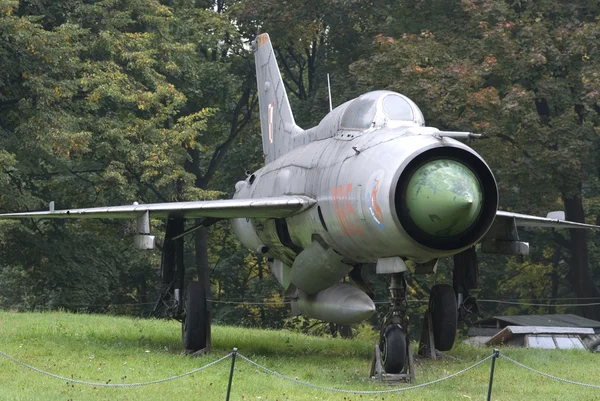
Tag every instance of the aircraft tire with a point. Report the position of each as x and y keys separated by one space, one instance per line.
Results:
x=444 y=316
x=393 y=349
x=193 y=327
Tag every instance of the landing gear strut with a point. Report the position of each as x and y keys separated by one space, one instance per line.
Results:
x=392 y=343
x=172 y=271
x=191 y=308
x=465 y=277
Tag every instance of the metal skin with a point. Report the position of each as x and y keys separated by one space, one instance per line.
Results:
x=342 y=300
x=355 y=193
x=354 y=176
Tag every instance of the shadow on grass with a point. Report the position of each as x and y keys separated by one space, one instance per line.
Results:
x=282 y=343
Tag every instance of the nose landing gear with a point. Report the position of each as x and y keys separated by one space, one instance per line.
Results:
x=392 y=343
x=394 y=353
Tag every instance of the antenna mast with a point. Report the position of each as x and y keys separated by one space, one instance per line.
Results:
x=329 y=89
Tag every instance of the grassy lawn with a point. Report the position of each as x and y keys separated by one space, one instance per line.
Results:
x=126 y=350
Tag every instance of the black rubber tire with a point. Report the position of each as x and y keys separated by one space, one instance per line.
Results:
x=444 y=315
x=393 y=349
x=193 y=327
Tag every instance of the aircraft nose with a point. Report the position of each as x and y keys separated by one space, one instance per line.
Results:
x=444 y=197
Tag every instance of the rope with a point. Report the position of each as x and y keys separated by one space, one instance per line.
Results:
x=510 y=302
x=34 y=308
x=114 y=384
x=251 y=303
x=557 y=299
x=378 y=302
x=547 y=374
x=498 y=301
x=414 y=301
x=337 y=390
x=300 y=382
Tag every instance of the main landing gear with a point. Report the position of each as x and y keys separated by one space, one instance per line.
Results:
x=190 y=308
x=465 y=277
x=442 y=307
x=195 y=325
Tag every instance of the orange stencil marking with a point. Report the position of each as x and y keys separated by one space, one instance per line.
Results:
x=344 y=211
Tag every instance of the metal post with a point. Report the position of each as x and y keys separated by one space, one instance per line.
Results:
x=494 y=356
x=233 y=354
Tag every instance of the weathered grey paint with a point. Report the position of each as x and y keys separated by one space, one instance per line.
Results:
x=341 y=303
x=324 y=166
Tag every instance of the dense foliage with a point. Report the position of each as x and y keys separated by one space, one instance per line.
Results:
x=111 y=102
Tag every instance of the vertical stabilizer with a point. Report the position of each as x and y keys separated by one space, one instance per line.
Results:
x=276 y=119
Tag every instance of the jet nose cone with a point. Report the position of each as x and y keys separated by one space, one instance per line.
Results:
x=444 y=197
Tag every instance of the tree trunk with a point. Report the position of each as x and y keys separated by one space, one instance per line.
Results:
x=579 y=274
x=202 y=267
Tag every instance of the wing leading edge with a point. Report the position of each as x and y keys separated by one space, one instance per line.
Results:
x=524 y=220
x=272 y=207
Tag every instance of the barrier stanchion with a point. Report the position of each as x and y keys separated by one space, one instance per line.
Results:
x=233 y=354
x=494 y=356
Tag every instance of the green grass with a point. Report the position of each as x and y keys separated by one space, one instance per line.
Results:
x=126 y=350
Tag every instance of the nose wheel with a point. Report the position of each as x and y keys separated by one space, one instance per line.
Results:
x=393 y=349
x=392 y=340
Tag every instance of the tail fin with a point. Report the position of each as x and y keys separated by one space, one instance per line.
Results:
x=276 y=119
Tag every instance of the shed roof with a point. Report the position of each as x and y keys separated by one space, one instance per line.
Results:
x=542 y=336
x=565 y=320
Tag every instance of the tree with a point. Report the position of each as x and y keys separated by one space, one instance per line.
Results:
x=89 y=115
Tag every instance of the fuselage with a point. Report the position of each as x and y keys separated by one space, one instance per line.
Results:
x=358 y=177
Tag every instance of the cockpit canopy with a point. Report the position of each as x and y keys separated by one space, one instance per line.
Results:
x=380 y=109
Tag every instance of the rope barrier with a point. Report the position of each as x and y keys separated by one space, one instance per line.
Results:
x=547 y=374
x=498 y=301
x=554 y=299
x=113 y=384
x=495 y=354
x=337 y=390
x=377 y=302
x=251 y=303
x=514 y=302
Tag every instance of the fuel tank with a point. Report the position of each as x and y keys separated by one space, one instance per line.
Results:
x=341 y=303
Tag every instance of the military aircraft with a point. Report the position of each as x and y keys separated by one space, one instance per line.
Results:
x=371 y=184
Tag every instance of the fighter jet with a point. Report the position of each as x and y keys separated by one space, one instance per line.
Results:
x=371 y=184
